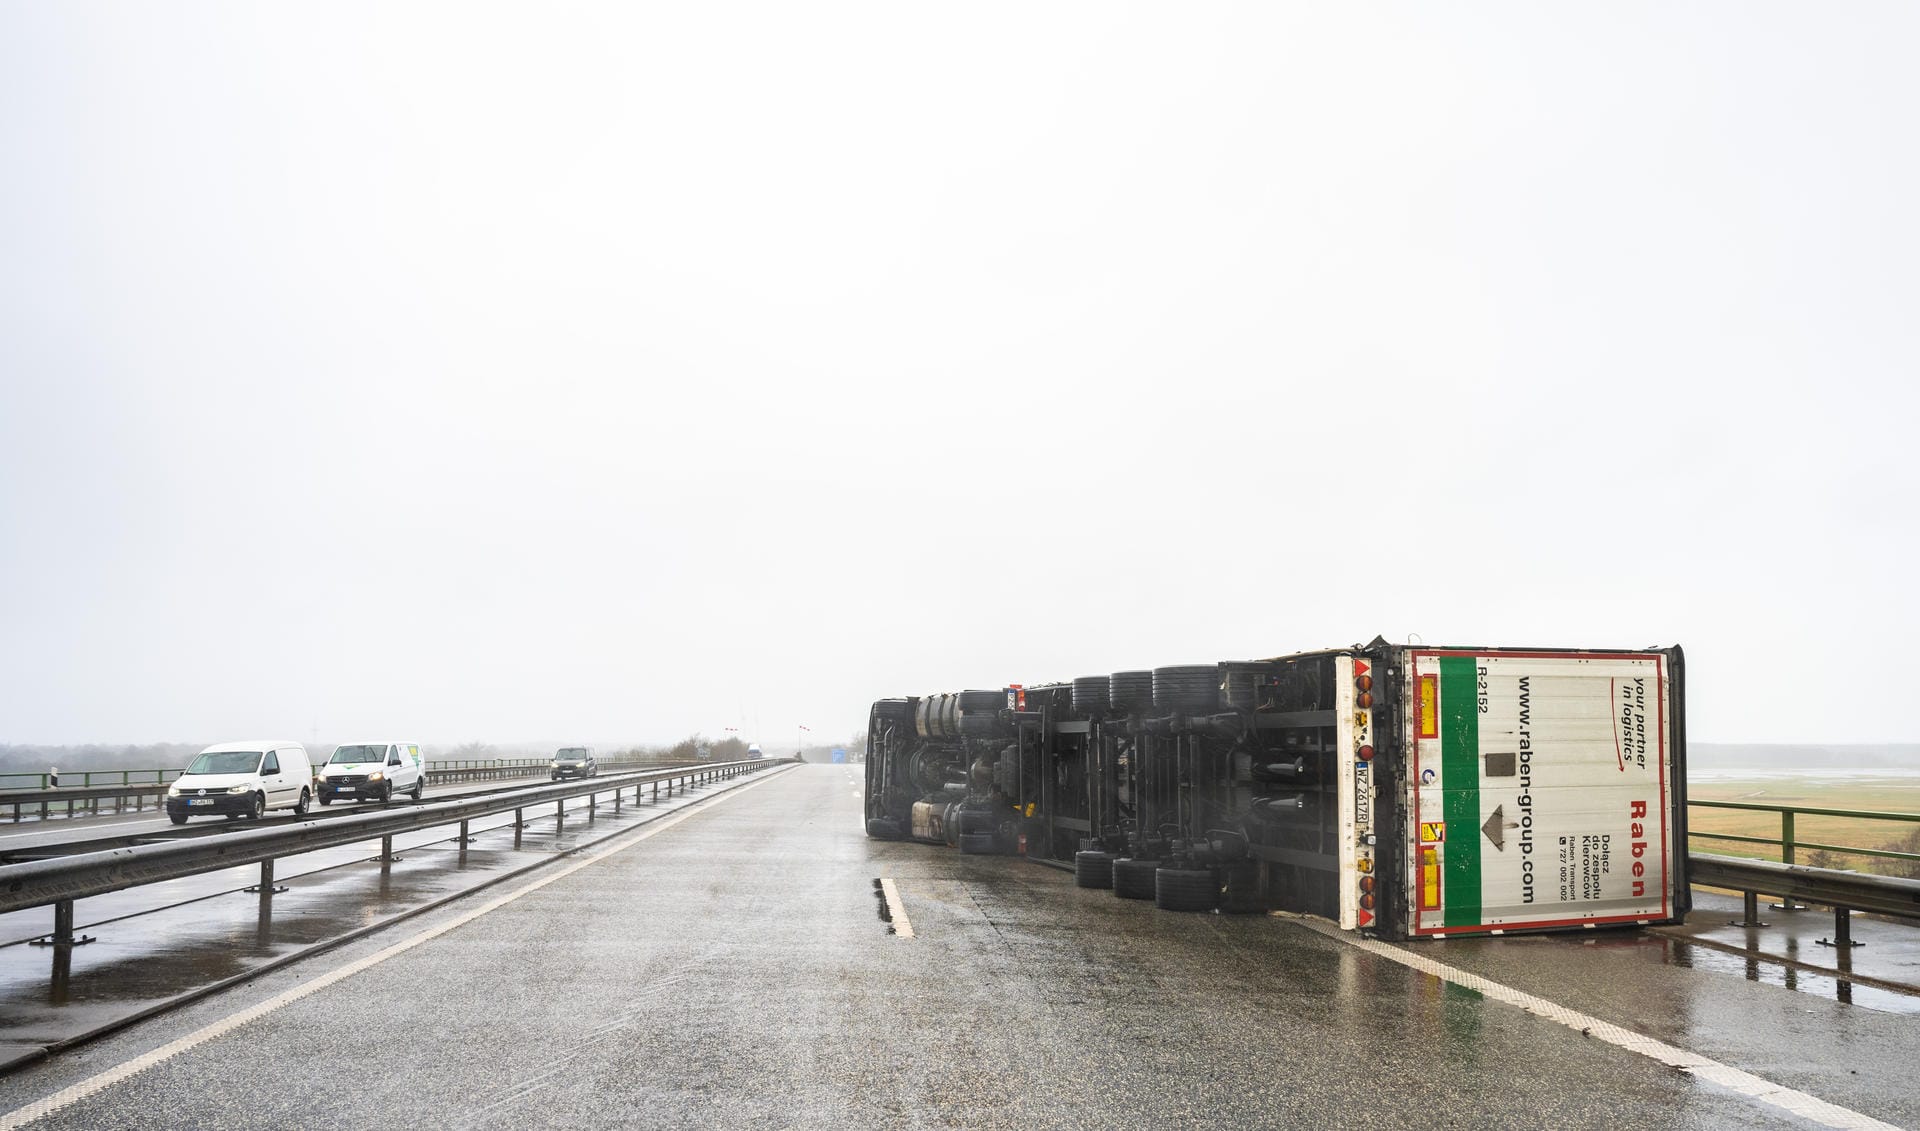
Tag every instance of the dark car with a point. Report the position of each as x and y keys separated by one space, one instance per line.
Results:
x=575 y=762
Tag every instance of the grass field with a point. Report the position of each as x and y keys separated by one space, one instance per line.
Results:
x=1890 y=795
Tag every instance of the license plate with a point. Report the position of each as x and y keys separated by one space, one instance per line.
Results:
x=201 y=801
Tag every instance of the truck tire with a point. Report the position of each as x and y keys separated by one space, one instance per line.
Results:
x=977 y=844
x=1187 y=687
x=1185 y=889
x=1093 y=869
x=883 y=828
x=1133 y=879
x=306 y=798
x=259 y=807
x=1128 y=691
x=1090 y=694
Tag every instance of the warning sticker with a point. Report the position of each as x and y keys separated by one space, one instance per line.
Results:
x=1432 y=832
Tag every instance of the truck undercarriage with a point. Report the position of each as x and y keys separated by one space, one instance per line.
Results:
x=1240 y=786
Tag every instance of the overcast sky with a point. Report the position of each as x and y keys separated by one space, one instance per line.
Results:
x=469 y=372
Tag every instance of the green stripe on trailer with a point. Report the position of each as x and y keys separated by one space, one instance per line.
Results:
x=1460 y=779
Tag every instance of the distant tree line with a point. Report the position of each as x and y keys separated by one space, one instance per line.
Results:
x=32 y=758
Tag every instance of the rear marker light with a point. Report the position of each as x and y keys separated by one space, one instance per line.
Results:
x=1365 y=753
x=1366 y=903
x=1429 y=880
x=1366 y=699
x=1363 y=682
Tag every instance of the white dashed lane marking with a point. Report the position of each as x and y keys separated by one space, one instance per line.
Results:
x=896 y=910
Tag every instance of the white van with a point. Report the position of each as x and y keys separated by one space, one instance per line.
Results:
x=238 y=779
x=373 y=771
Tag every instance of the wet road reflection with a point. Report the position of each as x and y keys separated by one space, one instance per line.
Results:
x=1759 y=968
x=155 y=943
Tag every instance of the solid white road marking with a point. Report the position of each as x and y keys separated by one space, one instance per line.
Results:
x=44 y=829
x=896 y=910
x=20 y=1117
x=1746 y=1083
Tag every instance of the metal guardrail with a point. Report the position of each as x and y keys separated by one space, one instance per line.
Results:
x=71 y=801
x=67 y=800
x=1845 y=892
x=527 y=768
x=60 y=881
x=1788 y=843
x=498 y=767
x=85 y=778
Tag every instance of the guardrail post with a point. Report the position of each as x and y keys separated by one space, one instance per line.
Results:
x=1786 y=857
x=593 y=805
x=1749 y=911
x=519 y=824
x=617 y=794
x=559 y=813
x=62 y=935
x=1842 y=930
x=386 y=856
x=265 y=887
x=656 y=791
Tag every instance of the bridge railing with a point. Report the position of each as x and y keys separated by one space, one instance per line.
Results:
x=88 y=778
x=59 y=881
x=1788 y=843
x=1844 y=891
x=81 y=794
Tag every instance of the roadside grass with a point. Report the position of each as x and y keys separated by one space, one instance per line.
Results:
x=1891 y=795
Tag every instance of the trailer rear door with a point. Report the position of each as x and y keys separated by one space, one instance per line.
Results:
x=1540 y=789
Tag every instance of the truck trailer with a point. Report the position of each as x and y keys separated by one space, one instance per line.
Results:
x=1403 y=791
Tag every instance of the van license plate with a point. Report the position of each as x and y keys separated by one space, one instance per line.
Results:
x=201 y=801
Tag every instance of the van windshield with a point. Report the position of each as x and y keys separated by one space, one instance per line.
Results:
x=226 y=762
x=574 y=753
x=359 y=754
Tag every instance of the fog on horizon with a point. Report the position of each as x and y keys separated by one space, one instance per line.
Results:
x=505 y=374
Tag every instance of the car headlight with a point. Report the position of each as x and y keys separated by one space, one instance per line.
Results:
x=555 y=765
x=376 y=776
x=173 y=791
x=240 y=789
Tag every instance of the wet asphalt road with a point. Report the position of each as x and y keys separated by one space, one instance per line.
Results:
x=732 y=969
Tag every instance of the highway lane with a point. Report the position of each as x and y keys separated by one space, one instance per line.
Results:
x=148 y=949
x=733 y=968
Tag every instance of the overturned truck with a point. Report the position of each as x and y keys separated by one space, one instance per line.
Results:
x=1401 y=790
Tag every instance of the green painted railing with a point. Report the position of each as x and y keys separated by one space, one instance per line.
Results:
x=1787 y=843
